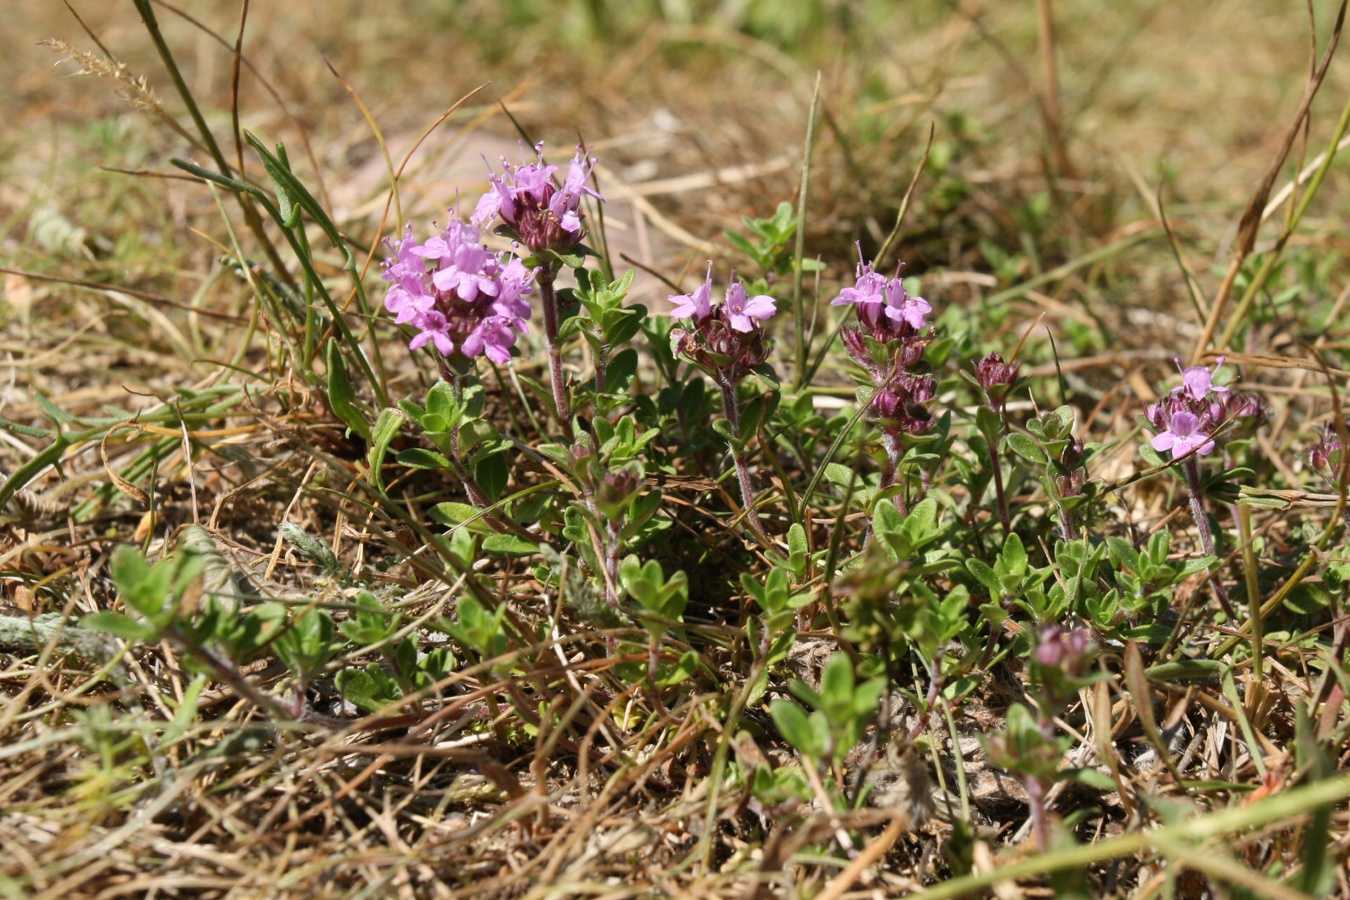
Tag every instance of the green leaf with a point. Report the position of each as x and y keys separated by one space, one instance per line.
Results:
x=493 y=474
x=838 y=474
x=474 y=433
x=1014 y=556
x=987 y=578
x=683 y=670
x=53 y=412
x=988 y=423
x=386 y=429
x=1123 y=554
x=837 y=682
x=341 y=394
x=793 y=726
x=1090 y=777
x=116 y=624
x=460 y=514
x=421 y=458
x=441 y=402
x=370 y=689
x=508 y=544
x=798 y=551
x=1026 y=448
x=288 y=185
x=621 y=326
x=622 y=369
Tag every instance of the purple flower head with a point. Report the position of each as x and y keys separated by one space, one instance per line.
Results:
x=1192 y=415
x=901 y=307
x=494 y=337
x=1182 y=434
x=868 y=288
x=514 y=282
x=435 y=330
x=459 y=296
x=892 y=331
x=1064 y=650
x=742 y=312
x=696 y=306
x=724 y=339
x=464 y=266
x=543 y=214
x=1197 y=382
x=885 y=310
x=1244 y=406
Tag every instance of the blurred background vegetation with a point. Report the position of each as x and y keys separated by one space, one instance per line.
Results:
x=1187 y=98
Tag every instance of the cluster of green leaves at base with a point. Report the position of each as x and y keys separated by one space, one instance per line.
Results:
x=840 y=711
x=168 y=601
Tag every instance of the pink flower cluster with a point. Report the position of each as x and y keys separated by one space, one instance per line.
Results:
x=884 y=307
x=724 y=339
x=888 y=342
x=463 y=298
x=459 y=295
x=540 y=213
x=1189 y=417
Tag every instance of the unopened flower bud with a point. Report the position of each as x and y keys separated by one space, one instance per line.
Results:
x=617 y=490
x=995 y=376
x=1325 y=455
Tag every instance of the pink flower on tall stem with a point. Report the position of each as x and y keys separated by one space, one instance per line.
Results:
x=541 y=213
x=461 y=297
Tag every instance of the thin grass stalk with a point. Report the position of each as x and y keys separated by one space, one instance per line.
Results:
x=298 y=251
x=1244 y=516
x=959 y=762
x=267 y=298
x=702 y=852
x=1265 y=813
x=1251 y=216
x=1268 y=263
x=803 y=350
x=795 y=513
x=1050 y=109
x=380 y=385
x=251 y=217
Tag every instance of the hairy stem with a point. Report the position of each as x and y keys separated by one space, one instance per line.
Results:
x=601 y=369
x=732 y=411
x=613 y=549
x=1191 y=466
x=890 y=474
x=1068 y=530
x=549 y=301
x=996 y=467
